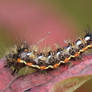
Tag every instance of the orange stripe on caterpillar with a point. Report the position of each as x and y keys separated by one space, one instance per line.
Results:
x=66 y=60
x=29 y=64
x=18 y=60
x=76 y=54
x=55 y=65
x=42 y=67
x=84 y=49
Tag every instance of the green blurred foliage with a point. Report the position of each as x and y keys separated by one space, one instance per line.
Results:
x=5 y=41
x=79 y=10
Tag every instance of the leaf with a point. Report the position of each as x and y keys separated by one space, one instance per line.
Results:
x=71 y=84
x=52 y=81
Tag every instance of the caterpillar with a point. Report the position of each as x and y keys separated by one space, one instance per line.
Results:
x=23 y=55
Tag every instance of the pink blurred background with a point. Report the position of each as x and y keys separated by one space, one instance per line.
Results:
x=40 y=22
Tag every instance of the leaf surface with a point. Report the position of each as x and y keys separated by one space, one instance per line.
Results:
x=65 y=78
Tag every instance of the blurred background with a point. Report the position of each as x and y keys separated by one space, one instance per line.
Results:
x=36 y=20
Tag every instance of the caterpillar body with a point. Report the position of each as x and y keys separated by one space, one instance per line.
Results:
x=23 y=55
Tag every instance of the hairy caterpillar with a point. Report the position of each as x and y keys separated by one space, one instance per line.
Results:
x=23 y=55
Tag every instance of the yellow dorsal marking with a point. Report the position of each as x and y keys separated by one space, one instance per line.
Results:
x=89 y=46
